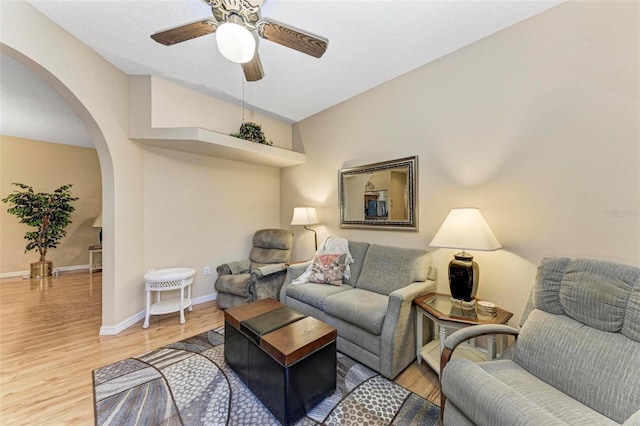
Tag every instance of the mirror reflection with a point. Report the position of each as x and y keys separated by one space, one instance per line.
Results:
x=380 y=194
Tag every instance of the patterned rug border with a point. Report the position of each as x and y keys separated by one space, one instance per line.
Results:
x=187 y=382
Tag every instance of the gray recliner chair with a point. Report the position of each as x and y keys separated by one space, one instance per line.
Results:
x=259 y=277
x=576 y=360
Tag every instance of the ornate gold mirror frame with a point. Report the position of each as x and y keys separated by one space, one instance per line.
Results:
x=380 y=196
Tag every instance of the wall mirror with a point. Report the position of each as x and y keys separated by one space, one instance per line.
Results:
x=381 y=195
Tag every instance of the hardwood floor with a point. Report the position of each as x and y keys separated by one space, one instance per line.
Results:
x=49 y=345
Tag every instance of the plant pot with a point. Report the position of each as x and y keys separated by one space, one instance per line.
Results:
x=41 y=269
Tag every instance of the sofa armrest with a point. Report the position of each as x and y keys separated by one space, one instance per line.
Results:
x=398 y=332
x=234 y=268
x=294 y=270
x=266 y=270
x=410 y=292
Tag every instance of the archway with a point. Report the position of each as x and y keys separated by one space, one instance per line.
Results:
x=104 y=157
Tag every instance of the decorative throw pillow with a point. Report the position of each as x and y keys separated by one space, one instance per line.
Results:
x=328 y=269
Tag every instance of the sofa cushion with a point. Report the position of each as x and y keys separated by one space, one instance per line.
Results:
x=314 y=294
x=358 y=252
x=362 y=308
x=598 y=368
x=386 y=269
x=503 y=393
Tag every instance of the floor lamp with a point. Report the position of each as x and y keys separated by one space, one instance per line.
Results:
x=306 y=216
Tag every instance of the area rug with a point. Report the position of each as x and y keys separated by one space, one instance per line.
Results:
x=188 y=383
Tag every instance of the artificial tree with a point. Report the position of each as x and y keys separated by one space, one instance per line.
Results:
x=49 y=213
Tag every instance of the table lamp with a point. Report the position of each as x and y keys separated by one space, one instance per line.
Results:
x=466 y=229
x=306 y=216
x=97 y=223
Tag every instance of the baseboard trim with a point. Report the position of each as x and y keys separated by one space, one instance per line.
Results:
x=110 y=330
x=25 y=274
x=203 y=299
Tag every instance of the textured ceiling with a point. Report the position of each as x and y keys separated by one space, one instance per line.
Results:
x=30 y=109
x=370 y=42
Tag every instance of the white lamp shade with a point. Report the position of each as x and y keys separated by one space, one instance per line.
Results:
x=304 y=216
x=97 y=222
x=465 y=228
x=236 y=43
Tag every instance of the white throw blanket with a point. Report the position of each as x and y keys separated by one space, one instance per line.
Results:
x=332 y=245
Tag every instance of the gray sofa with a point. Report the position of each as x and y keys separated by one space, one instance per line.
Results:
x=372 y=311
x=576 y=360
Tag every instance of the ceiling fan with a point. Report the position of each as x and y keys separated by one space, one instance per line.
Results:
x=235 y=23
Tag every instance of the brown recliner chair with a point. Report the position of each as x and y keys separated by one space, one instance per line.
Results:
x=259 y=277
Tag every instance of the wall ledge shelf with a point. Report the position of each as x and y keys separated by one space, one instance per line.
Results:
x=207 y=142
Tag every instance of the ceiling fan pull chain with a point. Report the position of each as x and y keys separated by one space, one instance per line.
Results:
x=242 y=101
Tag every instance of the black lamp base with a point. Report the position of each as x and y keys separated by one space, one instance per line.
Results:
x=463 y=277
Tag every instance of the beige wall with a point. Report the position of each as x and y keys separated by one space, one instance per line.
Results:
x=46 y=166
x=202 y=211
x=537 y=125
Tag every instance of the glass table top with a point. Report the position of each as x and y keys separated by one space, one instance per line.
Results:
x=443 y=307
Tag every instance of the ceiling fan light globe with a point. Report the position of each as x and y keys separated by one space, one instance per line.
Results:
x=235 y=42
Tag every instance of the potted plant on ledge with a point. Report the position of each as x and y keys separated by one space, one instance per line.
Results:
x=49 y=213
x=251 y=132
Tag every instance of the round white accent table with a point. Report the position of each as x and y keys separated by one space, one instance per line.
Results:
x=167 y=280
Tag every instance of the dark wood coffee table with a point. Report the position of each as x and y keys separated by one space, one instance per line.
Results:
x=291 y=366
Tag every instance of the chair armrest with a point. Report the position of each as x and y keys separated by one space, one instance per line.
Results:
x=234 y=268
x=266 y=270
x=462 y=335
x=467 y=333
x=267 y=280
x=634 y=420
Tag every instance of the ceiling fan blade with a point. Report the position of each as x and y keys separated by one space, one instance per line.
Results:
x=253 y=69
x=185 y=32
x=291 y=38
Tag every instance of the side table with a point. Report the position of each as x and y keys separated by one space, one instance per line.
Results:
x=444 y=313
x=93 y=250
x=166 y=280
